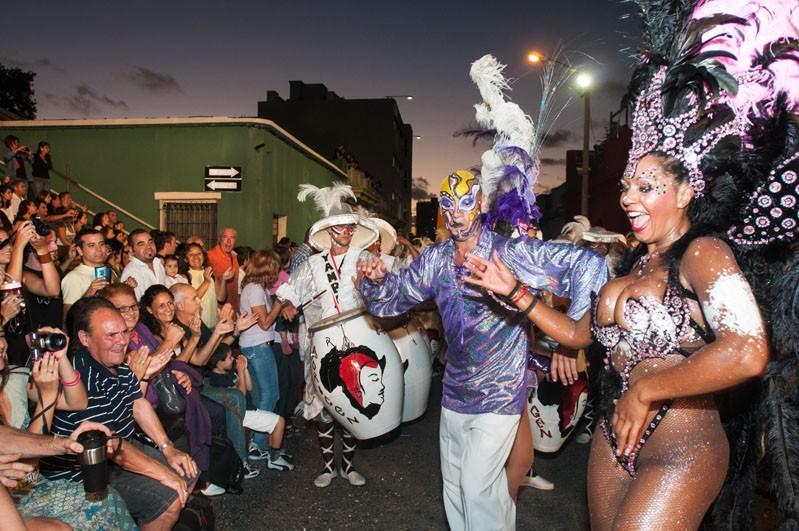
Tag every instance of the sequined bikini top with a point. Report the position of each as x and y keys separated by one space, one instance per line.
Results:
x=657 y=328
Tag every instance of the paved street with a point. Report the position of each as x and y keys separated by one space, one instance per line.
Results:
x=403 y=489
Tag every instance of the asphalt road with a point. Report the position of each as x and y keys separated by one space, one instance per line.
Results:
x=403 y=489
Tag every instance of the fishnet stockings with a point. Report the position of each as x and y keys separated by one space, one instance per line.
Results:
x=681 y=469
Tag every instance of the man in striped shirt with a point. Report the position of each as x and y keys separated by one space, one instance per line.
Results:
x=154 y=485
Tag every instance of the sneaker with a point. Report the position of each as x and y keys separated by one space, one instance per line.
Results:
x=250 y=471
x=355 y=478
x=257 y=454
x=287 y=456
x=585 y=436
x=323 y=480
x=278 y=464
x=212 y=490
x=537 y=482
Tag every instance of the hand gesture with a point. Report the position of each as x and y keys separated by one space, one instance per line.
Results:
x=174 y=482
x=72 y=253
x=208 y=273
x=25 y=233
x=73 y=446
x=139 y=361
x=44 y=377
x=289 y=312
x=564 y=367
x=12 y=469
x=241 y=363
x=130 y=281
x=180 y=462
x=629 y=419
x=228 y=274
x=183 y=380
x=157 y=363
x=97 y=285
x=39 y=244
x=226 y=313
x=10 y=307
x=373 y=268
x=245 y=321
x=493 y=276
x=174 y=334
x=195 y=326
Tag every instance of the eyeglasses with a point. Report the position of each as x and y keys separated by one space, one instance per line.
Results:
x=133 y=308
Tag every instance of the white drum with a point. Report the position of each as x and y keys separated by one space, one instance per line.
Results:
x=414 y=351
x=554 y=410
x=358 y=373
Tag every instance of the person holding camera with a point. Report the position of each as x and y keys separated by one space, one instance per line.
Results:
x=18 y=159
x=85 y=280
x=154 y=481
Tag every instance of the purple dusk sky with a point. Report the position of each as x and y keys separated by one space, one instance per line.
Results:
x=200 y=58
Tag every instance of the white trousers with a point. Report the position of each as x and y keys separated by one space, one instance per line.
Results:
x=260 y=420
x=473 y=450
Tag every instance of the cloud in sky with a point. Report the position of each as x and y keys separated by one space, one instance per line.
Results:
x=558 y=137
x=152 y=81
x=86 y=101
x=420 y=189
x=35 y=65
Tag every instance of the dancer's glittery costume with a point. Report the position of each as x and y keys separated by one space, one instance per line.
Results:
x=487 y=354
x=484 y=380
x=683 y=452
x=716 y=96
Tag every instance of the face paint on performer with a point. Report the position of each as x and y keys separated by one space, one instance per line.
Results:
x=460 y=199
x=341 y=234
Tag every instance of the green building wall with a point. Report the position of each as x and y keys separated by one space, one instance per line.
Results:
x=127 y=161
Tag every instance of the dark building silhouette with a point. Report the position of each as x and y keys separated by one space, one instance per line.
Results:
x=607 y=162
x=427 y=218
x=370 y=130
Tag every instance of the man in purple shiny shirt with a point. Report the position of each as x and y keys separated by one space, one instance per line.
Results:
x=484 y=381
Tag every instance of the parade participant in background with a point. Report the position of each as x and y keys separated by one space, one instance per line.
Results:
x=325 y=283
x=484 y=380
x=710 y=191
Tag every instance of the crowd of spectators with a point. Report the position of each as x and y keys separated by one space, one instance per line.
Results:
x=172 y=349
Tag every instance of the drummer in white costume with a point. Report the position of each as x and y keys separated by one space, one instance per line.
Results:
x=324 y=283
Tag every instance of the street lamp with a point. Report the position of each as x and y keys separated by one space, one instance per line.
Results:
x=584 y=82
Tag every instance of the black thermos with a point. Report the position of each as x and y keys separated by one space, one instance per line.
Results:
x=93 y=465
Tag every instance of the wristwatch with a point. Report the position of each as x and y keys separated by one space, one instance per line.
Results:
x=165 y=445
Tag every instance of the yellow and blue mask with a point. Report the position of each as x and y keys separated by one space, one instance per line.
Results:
x=460 y=206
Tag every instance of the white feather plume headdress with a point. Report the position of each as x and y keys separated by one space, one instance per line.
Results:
x=330 y=201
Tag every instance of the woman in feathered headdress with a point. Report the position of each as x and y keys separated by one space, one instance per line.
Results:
x=710 y=191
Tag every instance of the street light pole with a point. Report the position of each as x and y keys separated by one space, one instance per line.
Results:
x=586 y=157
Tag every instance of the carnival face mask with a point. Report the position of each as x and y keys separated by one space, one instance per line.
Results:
x=460 y=206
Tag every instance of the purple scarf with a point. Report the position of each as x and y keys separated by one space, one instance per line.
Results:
x=198 y=422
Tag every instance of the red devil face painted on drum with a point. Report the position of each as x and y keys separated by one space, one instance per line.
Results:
x=359 y=373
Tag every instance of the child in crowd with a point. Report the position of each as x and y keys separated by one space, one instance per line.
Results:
x=231 y=373
x=171 y=270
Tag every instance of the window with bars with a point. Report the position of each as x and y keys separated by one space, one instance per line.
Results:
x=191 y=219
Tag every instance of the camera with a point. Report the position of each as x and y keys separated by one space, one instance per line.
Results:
x=41 y=228
x=46 y=342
